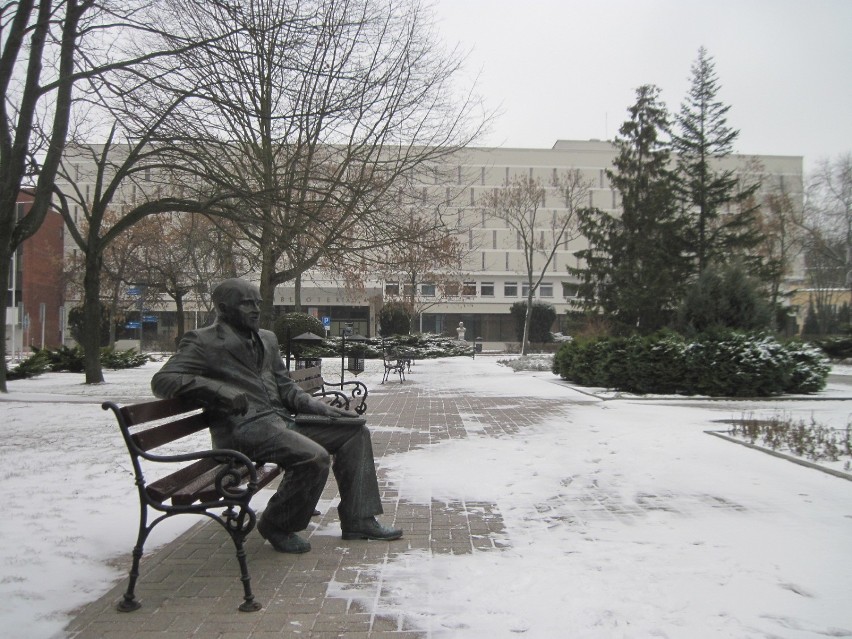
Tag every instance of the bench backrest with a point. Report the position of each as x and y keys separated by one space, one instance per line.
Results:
x=190 y=420
x=308 y=379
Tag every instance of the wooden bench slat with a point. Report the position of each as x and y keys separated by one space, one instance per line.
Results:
x=187 y=494
x=167 y=486
x=169 y=432
x=265 y=474
x=136 y=414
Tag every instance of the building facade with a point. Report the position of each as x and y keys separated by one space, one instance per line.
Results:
x=34 y=295
x=493 y=272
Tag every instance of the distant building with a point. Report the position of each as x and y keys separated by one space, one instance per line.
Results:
x=34 y=294
x=493 y=273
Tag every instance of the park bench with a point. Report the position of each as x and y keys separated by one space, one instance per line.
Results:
x=216 y=483
x=393 y=364
x=350 y=394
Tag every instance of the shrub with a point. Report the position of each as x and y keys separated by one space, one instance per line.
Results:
x=70 y=360
x=724 y=297
x=836 y=347
x=115 y=360
x=394 y=319
x=723 y=364
x=34 y=365
x=75 y=324
x=297 y=323
x=543 y=316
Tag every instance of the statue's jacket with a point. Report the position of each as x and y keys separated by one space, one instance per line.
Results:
x=215 y=363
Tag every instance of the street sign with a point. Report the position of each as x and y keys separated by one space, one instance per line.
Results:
x=326 y=322
x=132 y=325
x=134 y=292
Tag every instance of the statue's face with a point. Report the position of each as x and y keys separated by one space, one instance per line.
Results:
x=240 y=305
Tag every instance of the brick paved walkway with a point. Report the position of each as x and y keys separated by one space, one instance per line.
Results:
x=191 y=587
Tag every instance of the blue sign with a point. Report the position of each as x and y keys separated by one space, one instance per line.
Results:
x=133 y=325
x=149 y=319
x=134 y=292
x=326 y=321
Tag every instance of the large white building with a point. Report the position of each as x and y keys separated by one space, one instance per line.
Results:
x=493 y=272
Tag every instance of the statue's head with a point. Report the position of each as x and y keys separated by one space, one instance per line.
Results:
x=238 y=303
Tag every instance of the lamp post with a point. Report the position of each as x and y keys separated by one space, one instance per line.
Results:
x=356 y=364
x=307 y=339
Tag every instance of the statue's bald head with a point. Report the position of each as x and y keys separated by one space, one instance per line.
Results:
x=237 y=303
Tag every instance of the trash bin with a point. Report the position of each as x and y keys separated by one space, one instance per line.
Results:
x=477 y=346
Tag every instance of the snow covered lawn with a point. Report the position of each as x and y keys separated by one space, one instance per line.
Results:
x=622 y=517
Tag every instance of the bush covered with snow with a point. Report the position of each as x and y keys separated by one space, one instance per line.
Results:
x=65 y=359
x=725 y=364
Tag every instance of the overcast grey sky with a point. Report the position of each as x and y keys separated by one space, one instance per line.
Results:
x=568 y=69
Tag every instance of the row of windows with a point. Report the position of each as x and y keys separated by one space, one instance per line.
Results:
x=469 y=289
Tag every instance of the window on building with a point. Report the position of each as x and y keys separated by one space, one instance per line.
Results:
x=408 y=290
x=569 y=289
x=469 y=289
x=546 y=289
x=486 y=289
x=392 y=288
x=451 y=289
x=427 y=289
x=525 y=289
x=494 y=238
x=510 y=289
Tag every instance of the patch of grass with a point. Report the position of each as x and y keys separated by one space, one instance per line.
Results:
x=807 y=439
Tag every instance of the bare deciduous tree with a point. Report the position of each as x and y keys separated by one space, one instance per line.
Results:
x=320 y=112
x=541 y=231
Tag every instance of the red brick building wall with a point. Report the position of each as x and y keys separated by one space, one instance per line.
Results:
x=41 y=280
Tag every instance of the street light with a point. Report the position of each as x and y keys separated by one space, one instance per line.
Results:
x=308 y=339
x=356 y=360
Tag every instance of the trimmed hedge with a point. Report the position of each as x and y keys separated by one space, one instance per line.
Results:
x=70 y=360
x=717 y=365
x=421 y=346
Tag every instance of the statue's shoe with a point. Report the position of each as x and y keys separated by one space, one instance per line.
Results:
x=283 y=542
x=369 y=528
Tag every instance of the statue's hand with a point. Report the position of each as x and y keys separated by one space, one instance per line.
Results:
x=233 y=401
x=327 y=410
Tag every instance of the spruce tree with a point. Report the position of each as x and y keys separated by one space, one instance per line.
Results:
x=635 y=264
x=701 y=140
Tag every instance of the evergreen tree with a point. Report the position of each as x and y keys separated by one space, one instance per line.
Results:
x=635 y=264
x=702 y=139
x=724 y=297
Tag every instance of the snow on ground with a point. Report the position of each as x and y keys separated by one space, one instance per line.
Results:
x=622 y=517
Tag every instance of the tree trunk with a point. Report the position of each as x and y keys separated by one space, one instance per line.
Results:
x=92 y=319
x=297 y=294
x=181 y=319
x=5 y=267
x=525 y=342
